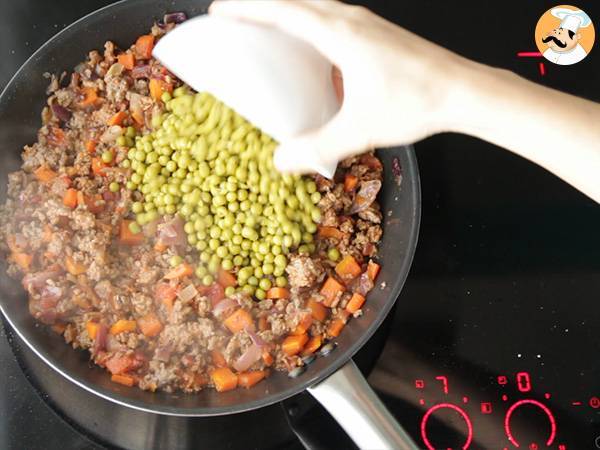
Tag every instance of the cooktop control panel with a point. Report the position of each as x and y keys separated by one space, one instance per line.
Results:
x=507 y=410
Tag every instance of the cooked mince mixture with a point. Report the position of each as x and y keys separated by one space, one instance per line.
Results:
x=149 y=228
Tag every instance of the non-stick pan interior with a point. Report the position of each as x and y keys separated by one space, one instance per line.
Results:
x=20 y=107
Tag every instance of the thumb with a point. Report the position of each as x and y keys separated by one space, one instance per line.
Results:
x=321 y=149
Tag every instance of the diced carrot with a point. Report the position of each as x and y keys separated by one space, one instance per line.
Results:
x=218 y=359
x=350 y=182
x=44 y=174
x=355 y=303
x=348 y=268
x=278 y=292
x=125 y=380
x=138 y=117
x=59 y=328
x=156 y=89
x=330 y=232
x=98 y=167
x=90 y=146
x=127 y=59
x=90 y=96
x=144 y=46
x=95 y=204
x=160 y=247
x=150 y=325
x=117 y=119
x=74 y=267
x=312 y=345
x=267 y=358
x=122 y=325
x=249 y=379
x=182 y=270
x=126 y=237
x=292 y=345
x=226 y=279
x=166 y=294
x=70 y=198
x=56 y=136
x=318 y=311
x=23 y=260
x=239 y=320
x=373 y=270
x=118 y=365
x=303 y=325
x=92 y=329
x=330 y=290
x=224 y=379
x=335 y=327
x=263 y=323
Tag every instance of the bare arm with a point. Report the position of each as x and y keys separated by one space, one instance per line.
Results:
x=400 y=88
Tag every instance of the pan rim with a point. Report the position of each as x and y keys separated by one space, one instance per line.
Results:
x=343 y=355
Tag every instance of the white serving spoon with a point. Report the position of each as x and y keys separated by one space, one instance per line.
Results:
x=279 y=83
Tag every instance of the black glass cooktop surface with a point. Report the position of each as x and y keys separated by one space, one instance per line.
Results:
x=494 y=341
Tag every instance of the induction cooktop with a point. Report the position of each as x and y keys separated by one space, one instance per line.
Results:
x=494 y=341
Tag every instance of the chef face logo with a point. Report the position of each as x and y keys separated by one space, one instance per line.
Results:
x=565 y=35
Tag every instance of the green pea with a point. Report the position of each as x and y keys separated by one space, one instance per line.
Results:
x=107 y=156
x=207 y=280
x=265 y=284
x=229 y=291
x=227 y=264
x=260 y=294
x=134 y=227
x=267 y=268
x=333 y=254
x=253 y=281
x=175 y=260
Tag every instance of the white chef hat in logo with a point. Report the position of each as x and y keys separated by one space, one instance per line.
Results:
x=572 y=19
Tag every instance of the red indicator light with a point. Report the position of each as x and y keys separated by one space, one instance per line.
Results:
x=463 y=414
x=562 y=447
x=595 y=402
x=444 y=381
x=523 y=382
x=576 y=403
x=486 y=408
x=502 y=380
x=504 y=397
x=547 y=395
x=542 y=68
x=465 y=399
x=533 y=446
x=543 y=407
x=529 y=54
x=419 y=384
x=421 y=401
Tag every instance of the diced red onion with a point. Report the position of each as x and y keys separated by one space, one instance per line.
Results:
x=38 y=279
x=364 y=284
x=112 y=345
x=256 y=339
x=224 y=305
x=50 y=294
x=163 y=353
x=101 y=338
x=366 y=195
x=175 y=17
x=187 y=293
x=249 y=357
x=141 y=71
x=397 y=171
x=60 y=112
x=172 y=232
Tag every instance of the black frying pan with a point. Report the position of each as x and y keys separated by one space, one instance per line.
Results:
x=344 y=393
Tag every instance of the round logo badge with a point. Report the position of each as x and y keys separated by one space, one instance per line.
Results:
x=565 y=35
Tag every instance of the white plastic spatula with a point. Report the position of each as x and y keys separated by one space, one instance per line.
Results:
x=279 y=83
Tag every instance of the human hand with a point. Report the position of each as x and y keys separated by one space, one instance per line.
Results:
x=395 y=83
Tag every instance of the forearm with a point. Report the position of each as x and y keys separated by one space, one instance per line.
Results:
x=558 y=131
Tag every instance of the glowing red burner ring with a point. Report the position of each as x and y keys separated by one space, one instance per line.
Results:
x=539 y=405
x=433 y=409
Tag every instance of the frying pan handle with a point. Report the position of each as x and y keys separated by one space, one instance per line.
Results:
x=351 y=401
